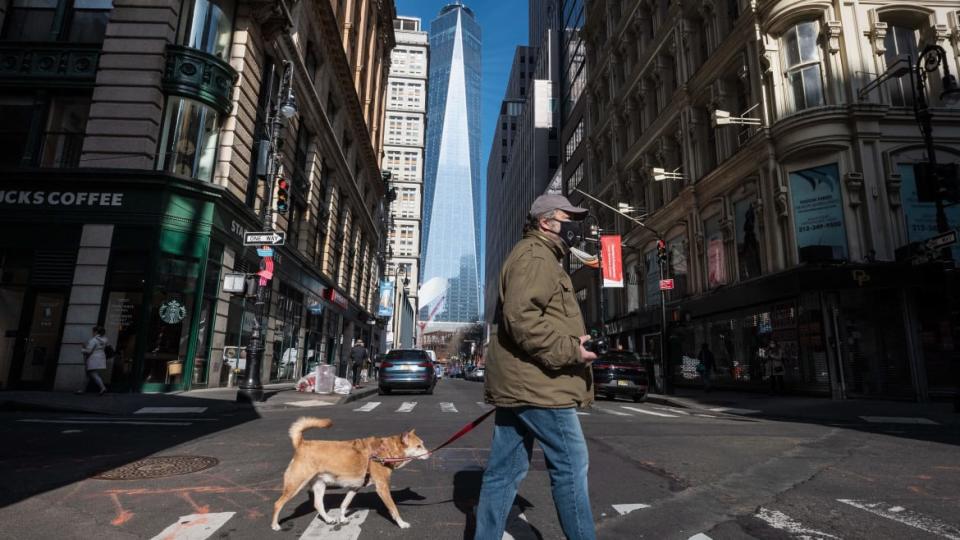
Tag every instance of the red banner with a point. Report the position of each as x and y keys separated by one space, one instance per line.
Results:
x=334 y=297
x=612 y=261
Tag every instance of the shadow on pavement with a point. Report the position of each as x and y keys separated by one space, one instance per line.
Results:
x=363 y=500
x=47 y=449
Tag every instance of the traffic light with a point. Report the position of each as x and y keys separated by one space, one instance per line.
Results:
x=283 y=195
x=662 y=250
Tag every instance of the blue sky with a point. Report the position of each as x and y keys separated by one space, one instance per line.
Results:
x=503 y=25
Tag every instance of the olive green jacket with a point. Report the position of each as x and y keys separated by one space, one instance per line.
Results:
x=534 y=352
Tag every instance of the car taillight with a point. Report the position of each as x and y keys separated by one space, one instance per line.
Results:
x=386 y=364
x=601 y=366
x=425 y=364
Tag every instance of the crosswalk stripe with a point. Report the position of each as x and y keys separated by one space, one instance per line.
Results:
x=194 y=526
x=779 y=520
x=170 y=410
x=651 y=413
x=407 y=406
x=104 y=422
x=699 y=536
x=367 y=407
x=348 y=530
x=581 y=413
x=734 y=410
x=618 y=413
x=671 y=409
x=906 y=517
x=448 y=407
x=624 y=509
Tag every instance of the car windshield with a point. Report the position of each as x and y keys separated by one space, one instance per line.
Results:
x=620 y=358
x=407 y=355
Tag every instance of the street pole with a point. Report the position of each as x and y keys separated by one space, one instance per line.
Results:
x=924 y=119
x=250 y=390
x=667 y=384
x=599 y=276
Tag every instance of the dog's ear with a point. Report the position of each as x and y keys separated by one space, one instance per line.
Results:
x=405 y=437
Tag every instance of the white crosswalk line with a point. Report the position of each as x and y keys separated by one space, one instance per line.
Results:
x=349 y=530
x=104 y=422
x=367 y=407
x=611 y=411
x=310 y=403
x=581 y=413
x=446 y=406
x=704 y=415
x=670 y=409
x=906 y=517
x=624 y=509
x=779 y=520
x=484 y=405
x=194 y=526
x=170 y=410
x=700 y=536
x=651 y=413
x=407 y=406
x=734 y=410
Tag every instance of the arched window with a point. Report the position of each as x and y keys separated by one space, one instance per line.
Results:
x=802 y=61
x=900 y=41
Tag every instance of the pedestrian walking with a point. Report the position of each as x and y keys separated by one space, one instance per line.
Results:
x=706 y=366
x=537 y=374
x=775 y=369
x=95 y=359
x=358 y=355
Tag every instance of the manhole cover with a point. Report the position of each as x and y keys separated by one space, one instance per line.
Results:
x=159 y=467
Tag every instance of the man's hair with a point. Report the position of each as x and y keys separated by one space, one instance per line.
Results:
x=533 y=222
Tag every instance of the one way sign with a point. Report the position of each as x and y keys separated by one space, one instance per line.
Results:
x=264 y=238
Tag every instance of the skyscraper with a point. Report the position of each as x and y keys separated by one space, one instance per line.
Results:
x=451 y=221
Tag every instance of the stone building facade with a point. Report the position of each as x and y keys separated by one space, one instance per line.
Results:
x=796 y=231
x=139 y=128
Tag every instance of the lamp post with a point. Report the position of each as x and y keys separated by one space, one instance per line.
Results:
x=282 y=108
x=595 y=236
x=666 y=385
x=397 y=323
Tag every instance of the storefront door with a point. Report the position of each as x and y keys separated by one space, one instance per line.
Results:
x=38 y=340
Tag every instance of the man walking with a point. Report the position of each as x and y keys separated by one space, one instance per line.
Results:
x=358 y=355
x=538 y=372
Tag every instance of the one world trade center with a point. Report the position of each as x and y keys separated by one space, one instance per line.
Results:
x=451 y=222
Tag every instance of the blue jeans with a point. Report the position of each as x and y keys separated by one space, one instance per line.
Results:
x=559 y=434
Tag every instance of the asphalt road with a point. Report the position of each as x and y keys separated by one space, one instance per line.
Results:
x=656 y=472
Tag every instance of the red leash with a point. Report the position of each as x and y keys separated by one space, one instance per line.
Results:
x=463 y=431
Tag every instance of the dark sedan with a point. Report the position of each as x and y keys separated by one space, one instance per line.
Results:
x=620 y=373
x=407 y=369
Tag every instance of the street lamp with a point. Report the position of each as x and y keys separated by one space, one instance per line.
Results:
x=250 y=388
x=660 y=174
x=666 y=384
x=723 y=118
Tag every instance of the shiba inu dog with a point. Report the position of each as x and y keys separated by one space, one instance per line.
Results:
x=347 y=464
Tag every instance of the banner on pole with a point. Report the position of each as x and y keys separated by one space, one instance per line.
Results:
x=386 y=299
x=612 y=261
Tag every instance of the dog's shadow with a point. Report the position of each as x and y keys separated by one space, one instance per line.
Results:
x=363 y=500
x=466 y=494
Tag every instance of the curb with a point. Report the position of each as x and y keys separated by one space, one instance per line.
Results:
x=670 y=402
x=359 y=394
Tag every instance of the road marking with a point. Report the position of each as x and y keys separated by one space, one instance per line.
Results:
x=151 y=419
x=581 y=413
x=618 y=413
x=734 y=410
x=348 y=530
x=104 y=422
x=700 y=536
x=484 y=405
x=407 y=406
x=906 y=517
x=194 y=526
x=779 y=520
x=448 y=407
x=367 y=407
x=671 y=409
x=310 y=403
x=170 y=410
x=898 y=420
x=521 y=527
x=704 y=415
x=651 y=413
x=624 y=509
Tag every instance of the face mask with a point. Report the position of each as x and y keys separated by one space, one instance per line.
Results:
x=570 y=232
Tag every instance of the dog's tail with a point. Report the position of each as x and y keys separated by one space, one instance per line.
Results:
x=305 y=423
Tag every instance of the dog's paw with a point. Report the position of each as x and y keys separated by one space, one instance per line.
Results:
x=327 y=519
x=403 y=524
x=275 y=526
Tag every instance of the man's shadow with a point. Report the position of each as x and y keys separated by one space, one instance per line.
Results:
x=466 y=494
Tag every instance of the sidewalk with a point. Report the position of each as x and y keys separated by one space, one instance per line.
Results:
x=811 y=409
x=212 y=400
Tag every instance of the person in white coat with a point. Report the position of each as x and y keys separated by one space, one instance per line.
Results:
x=95 y=359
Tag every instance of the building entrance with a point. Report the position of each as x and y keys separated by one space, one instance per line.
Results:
x=37 y=342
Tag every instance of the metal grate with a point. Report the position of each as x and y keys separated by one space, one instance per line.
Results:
x=53 y=268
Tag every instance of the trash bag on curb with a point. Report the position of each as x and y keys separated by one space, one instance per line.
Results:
x=308 y=383
x=342 y=386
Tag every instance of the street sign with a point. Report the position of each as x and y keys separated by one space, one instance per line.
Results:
x=666 y=284
x=943 y=240
x=264 y=238
x=265 y=252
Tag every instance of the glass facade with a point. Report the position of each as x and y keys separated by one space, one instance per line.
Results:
x=452 y=217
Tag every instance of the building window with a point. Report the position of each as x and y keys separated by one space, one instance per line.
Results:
x=189 y=143
x=900 y=41
x=802 y=57
x=818 y=214
x=748 y=245
x=79 y=21
x=207 y=25
x=42 y=131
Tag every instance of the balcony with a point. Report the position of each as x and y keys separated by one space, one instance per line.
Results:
x=48 y=64
x=197 y=75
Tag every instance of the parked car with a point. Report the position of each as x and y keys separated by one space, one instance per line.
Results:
x=620 y=373
x=474 y=373
x=407 y=369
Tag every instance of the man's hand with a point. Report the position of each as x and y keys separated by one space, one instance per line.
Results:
x=586 y=355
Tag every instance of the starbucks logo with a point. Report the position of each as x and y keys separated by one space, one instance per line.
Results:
x=172 y=312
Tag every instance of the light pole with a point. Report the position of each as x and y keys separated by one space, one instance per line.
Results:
x=282 y=108
x=397 y=323
x=595 y=234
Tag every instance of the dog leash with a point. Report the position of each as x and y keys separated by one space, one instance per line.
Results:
x=463 y=431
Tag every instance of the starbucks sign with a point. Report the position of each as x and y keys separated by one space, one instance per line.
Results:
x=172 y=311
